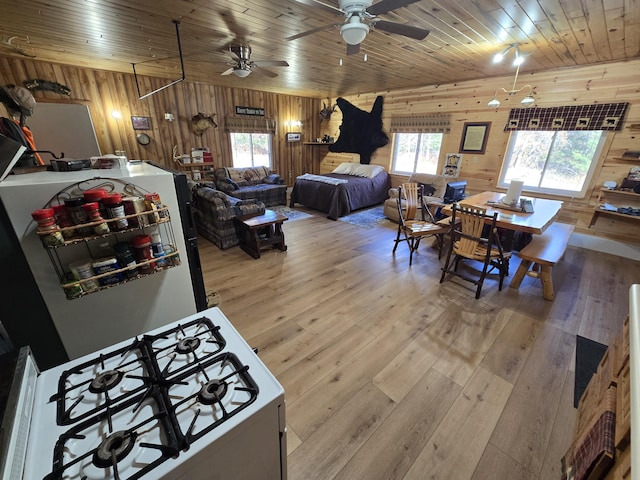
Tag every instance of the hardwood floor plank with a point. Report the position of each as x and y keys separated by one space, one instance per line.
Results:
x=331 y=446
x=495 y=464
x=507 y=355
x=525 y=426
x=395 y=445
x=449 y=453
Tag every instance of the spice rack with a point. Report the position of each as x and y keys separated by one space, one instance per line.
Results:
x=59 y=254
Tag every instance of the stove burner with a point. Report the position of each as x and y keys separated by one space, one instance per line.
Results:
x=114 y=448
x=187 y=345
x=212 y=392
x=105 y=381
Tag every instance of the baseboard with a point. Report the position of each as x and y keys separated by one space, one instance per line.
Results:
x=605 y=245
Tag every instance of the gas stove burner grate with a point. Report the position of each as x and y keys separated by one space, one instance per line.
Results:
x=182 y=347
x=152 y=439
x=211 y=400
x=101 y=383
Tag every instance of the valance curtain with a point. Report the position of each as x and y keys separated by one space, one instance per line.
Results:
x=249 y=124
x=606 y=116
x=439 y=123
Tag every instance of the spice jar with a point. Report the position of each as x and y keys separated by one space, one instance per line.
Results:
x=93 y=212
x=154 y=204
x=136 y=206
x=104 y=265
x=63 y=219
x=96 y=195
x=126 y=259
x=142 y=250
x=47 y=227
x=78 y=215
x=115 y=210
x=82 y=269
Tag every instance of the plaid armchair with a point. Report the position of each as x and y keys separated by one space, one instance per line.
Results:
x=214 y=213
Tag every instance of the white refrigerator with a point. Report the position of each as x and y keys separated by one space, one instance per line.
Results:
x=110 y=315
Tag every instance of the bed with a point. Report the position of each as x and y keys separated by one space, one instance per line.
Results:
x=349 y=187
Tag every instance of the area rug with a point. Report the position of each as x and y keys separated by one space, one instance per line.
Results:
x=369 y=218
x=588 y=356
x=290 y=213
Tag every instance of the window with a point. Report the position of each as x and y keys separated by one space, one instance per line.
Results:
x=416 y=152
x=558 y=162
x=251 y=149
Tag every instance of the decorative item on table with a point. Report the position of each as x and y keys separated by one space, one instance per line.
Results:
x=513 y=193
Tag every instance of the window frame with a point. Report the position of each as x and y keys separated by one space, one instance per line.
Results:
x=589 y=178
x=251 y=134
x=396 y=144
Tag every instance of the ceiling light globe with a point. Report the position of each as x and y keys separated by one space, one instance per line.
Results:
x=354 y=33
x=528 y=100
x=494 y=103
x=519 y=60
x=241 y=72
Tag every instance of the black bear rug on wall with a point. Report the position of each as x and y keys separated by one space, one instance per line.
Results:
x=360 y=132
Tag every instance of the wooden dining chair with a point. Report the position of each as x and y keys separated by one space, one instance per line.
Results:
x=468 y=242
x=412 y=230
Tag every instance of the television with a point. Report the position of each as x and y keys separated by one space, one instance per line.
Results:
x=455 y=191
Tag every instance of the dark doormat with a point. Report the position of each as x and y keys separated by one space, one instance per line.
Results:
x=588 y=356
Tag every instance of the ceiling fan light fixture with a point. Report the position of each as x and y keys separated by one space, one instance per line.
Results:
x=494 y=102
x=355 y=31
x=241 y=72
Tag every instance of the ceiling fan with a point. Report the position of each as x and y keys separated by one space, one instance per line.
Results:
x=360 y=16
x=243 y=65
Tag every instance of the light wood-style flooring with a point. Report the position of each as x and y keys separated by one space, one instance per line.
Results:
x=389 y=374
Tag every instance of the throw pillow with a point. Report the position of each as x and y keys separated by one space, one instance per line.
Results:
x=346 y=168
x=427 y=189
x=273 y=179
x=227 y=185
x=367 y=171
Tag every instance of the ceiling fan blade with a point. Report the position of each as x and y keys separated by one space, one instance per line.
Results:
x=266 y=72
x=385 y=6
x=313 y=30
x=270 y=63
x=400 y=29
x=324 y=6
x=228 y=72
x=353 y=49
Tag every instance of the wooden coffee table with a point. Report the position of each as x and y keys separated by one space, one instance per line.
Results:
x=260 y=232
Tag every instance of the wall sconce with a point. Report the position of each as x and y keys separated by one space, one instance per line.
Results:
x=294 y=123
x=168 y=117
x=528 y=99
x=116 y=114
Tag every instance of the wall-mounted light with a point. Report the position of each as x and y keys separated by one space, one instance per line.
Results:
x=116 y=114
x=294 y=123
x=168 y=117
x=528 y=99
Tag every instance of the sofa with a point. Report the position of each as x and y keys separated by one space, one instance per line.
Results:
x=435 y=187
x=214 y=213
x=252 y=182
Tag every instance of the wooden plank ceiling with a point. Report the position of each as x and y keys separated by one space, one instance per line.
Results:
x=464 y=36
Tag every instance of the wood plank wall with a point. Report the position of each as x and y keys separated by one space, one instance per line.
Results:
x=105 y=91
x=466 y=102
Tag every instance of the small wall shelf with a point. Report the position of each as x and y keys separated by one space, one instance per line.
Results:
x=318 y=143
x=627 y=198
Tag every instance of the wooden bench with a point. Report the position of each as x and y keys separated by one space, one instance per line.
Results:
x=541 y=254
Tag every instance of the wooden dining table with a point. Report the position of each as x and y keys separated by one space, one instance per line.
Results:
x=545 y=212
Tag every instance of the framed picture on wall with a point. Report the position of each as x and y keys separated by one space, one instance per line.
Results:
x=141 y=123
x=474 y=137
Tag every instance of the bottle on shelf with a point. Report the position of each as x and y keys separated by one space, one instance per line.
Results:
x=78 y=215
x=48 y=229
x=115 y=210
x=93 y=212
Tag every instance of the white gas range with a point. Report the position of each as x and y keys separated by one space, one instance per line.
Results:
x=190 y=400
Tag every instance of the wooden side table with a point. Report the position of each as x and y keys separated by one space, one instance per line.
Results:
x=260 y=232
